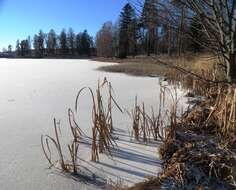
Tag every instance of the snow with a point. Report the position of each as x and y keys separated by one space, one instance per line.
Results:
x=34 y=91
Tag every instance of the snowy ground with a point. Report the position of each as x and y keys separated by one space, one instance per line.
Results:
x=33 y=92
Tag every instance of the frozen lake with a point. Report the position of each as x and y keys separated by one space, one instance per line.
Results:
x=33 y=92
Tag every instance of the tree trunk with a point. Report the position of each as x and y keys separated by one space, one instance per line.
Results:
x=231 y=68
x=148 y=44
x=180 y=32
x=169 y=40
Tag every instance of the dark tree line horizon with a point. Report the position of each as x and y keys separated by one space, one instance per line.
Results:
x=147 y=29
x=138 y=31
x=51 y=44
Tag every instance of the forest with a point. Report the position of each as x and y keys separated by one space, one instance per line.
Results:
x=140 y=29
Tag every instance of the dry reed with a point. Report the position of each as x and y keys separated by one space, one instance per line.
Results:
x=153 y=126
x=102 y=140
x=45 y=139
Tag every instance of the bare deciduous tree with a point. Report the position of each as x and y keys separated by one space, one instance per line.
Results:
x=218 y=18
x=104 y=40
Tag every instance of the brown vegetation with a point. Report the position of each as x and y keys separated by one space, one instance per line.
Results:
x=101 y=140
x=148 y=66
x=202 y=155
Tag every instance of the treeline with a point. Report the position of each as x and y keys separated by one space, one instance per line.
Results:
x=66 y=44
x=154 y=27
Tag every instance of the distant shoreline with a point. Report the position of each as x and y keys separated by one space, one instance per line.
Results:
x=56 y=57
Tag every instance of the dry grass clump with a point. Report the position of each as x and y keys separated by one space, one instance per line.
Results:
x=151 y=184
x=152 y=126
x=101 y=140
x=144 y=65
x=196 y=161
x=204 y=148
x=202 y=153
x=206 y=67
x=224 y=113
x=217 y=114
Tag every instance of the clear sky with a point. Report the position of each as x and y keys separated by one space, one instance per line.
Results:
x=20 y=18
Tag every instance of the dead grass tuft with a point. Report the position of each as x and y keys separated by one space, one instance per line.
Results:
x=102 y=128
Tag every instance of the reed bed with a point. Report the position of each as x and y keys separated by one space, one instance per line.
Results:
x=204 y=146
x=102 y=139
x=223 y=114
x=197 y=147
x=152 y=126
x=102 y=127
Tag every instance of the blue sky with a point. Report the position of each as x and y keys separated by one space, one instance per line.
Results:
x=20 y=18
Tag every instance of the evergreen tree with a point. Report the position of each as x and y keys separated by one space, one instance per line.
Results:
x=78 y=43
x=41 y=38
x=126 y=30
x=24 y=48
x=29 y=45
x=63 y=42
x=18 y=51
x=86 y=43
x=133 y=36
x=71 y=41
x=9 y=48
x=36 y=46
x=51 y=42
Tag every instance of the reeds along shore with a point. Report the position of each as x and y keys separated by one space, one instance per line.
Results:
x=199 y=151
x=151 y=126
x=146 y=127
x=198 y=147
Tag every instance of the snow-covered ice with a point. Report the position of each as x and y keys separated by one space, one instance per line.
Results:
x=34 y=91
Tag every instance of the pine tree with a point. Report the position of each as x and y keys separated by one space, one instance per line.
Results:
x=41 y=37
x=29 y=46
x=126 y=30
x=9 y=48
x=63 y=42
x=24 y=48
x=71 y=41
x=78 y=43
x=36 y=46
x=18 y=48
x=51 y=42
x=86 y=43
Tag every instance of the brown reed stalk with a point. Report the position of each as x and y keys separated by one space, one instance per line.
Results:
x=136 y=120
x=73 y=149
x=102 y=128
x=149 y=126
x=94 y=149
x=74 y=146
x=143 y=123
x=45 y=139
